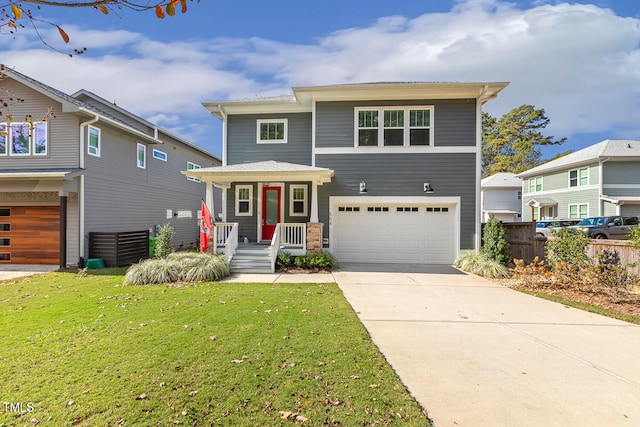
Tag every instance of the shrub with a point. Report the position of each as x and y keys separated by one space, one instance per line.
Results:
x=322 y=260
x=609 y=275
x=301 y=261
x=634 y=237
x=535 y=272
x=284 y=260
x=482 y=265
x=567 y=254
x=163 y=242
x=494 y=241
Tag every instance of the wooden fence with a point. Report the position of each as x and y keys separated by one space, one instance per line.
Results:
x=523 y=242
x=628 y=255
x=119 y=249
x=525 y=245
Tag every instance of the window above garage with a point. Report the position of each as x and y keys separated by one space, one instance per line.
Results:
x=24 y=139
x=394 y=126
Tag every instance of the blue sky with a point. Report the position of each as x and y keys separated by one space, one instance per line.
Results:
x=580 y=61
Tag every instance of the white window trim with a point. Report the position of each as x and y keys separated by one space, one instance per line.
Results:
x=535 y=179
x=250 y=211
x=99 y=142
x=6 y=139
x=46 y=139
x=193 y=166
x=10 y=143
x=578 y=209
x=162 y=153
x=305 y=200
x=407 y=127
x=577 y=171
x=142 y=165
x=272 y=141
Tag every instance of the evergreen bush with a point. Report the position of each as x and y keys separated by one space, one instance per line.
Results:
x=163 y=243
x=494 y=241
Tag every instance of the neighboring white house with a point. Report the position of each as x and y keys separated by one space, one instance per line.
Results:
x=501 y=195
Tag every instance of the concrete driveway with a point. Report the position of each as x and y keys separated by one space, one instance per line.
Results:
x=11 y=271
x=474 y=353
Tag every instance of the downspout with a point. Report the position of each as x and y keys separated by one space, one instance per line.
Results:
x=478 y=212
x=224 y=134
x=83 y=127
x=601 y=185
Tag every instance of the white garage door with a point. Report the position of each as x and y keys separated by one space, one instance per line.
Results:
x=394 y=233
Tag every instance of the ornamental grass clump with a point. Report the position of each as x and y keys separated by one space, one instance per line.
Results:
x=178 y=266
x=482 y=265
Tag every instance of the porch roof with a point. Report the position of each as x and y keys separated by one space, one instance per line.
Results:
x=260 y=171
x=40 y=174
x=541 y=202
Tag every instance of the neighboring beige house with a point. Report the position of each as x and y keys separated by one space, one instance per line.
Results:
x=501 y=196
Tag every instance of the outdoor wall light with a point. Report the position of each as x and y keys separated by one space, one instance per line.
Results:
x=363 y=187
x=427 y=187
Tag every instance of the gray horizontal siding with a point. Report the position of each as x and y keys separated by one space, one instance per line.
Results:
x=247 y=225
x=242 y=146
x=63 y=130
x=589 y=196
x=621 y=172
x=122 y=197
x=454 y=121
x=404 y=175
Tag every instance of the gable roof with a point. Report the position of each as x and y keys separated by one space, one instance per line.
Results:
x=502 y=180
x=72 y=104
x=614 y=149
x=303 y=97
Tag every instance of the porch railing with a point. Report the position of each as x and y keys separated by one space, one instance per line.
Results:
x=223 y=229
x=275 y=247
x=293 y=236
x=230 y=242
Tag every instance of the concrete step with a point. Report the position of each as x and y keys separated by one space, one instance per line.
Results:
x=251 y=259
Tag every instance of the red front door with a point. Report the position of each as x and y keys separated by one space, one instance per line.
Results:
x=270 y=211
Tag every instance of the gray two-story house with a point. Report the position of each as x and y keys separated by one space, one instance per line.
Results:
x=600 y=180
x=380 y=172
x=89 y=166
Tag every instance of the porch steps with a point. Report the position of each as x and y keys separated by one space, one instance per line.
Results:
x=251 y=259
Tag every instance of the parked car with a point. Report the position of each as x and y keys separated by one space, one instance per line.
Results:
x=608 y=227
x=545 y=227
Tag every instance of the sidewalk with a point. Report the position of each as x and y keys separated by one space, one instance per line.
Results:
x=11 y=271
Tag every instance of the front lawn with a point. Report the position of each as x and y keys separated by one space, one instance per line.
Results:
x=86 y=350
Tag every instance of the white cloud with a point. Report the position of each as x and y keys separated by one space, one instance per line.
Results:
x=579 y=62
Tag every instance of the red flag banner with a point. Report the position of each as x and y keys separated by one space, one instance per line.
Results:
x=205 y=227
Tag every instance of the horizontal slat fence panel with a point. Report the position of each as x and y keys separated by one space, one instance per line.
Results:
x=119 y=249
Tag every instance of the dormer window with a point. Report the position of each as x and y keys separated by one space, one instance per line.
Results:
x=394 y=126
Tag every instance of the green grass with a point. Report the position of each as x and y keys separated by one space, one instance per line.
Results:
x=90 y=351
x=584 y=306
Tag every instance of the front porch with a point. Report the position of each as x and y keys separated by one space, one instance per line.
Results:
x=260 y=257
x=270 y=204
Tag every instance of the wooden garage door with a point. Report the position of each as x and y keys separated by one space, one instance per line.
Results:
x=30 y=234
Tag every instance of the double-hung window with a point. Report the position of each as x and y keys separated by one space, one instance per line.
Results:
x=579 y=177
x=272 y=131
x=580 y=210
x=394 y=126
x=535 y=184
x=244 y=200
x=192 y=166
x=298 y=200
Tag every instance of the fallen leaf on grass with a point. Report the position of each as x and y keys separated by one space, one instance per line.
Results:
x=142 y=396
x=193 y=393
x=375 y=385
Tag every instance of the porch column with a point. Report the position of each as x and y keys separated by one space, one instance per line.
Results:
x=224 y=203
x=63 y=231
x=314 y=202
x=209 y=197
